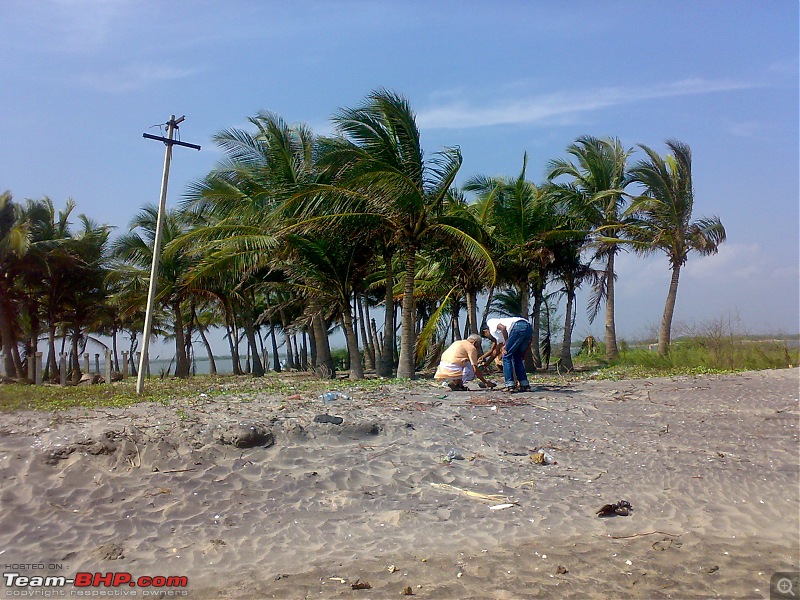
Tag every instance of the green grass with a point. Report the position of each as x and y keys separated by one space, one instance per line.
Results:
x=14 y=396
x=695 y=356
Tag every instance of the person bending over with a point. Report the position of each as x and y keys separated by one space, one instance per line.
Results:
x=516 y=333
x=459 y=364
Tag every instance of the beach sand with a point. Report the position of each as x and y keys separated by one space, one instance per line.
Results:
x=710 y=465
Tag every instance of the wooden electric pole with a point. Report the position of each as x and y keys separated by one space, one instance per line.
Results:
x=172 y=125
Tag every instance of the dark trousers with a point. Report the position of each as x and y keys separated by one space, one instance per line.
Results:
x=519 y=339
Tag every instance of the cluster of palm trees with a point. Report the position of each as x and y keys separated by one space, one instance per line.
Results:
x=294 y=234
x=52 y=282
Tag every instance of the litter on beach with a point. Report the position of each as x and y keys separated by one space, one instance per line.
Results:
x=471 y=494
x=622 y=508
x=541 y=456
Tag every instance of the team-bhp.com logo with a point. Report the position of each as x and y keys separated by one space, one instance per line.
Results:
x=94 y=584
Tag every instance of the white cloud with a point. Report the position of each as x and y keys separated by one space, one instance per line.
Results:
x=733 y=261
x=745 y=129
x=544 y=108
x=637 y=273
x=784 y=67
x=135 y=77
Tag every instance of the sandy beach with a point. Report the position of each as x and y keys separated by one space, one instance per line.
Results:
x=417 y=487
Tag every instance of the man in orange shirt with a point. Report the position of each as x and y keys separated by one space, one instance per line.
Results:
x=459 y=364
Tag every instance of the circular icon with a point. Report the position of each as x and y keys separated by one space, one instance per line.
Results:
x=785 y=586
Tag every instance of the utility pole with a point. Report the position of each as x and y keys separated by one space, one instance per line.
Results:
x=172 y=125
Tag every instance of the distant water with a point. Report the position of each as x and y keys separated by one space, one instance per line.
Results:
x=201 y=365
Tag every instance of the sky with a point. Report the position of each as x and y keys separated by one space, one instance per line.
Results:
x=83 y=79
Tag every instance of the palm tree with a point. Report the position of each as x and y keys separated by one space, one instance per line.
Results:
x=571 y=271
x=380 y=177
x=472 y=276
x=248 y=222
x=507 y=303
x=661 y=219
x=328 y=268
x=448 y=280
x=375 y=289
x=205 y=316
x=84 y=299
x=597 y=191
x=14 y=243
x=136 y=249
x=41 y=278
x=51 y=259
x=521 y=218
x=127 y=288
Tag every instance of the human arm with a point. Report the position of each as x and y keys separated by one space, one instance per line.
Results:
x=490 y=354
x=473 y=357
x=479 y=375
x=504 y=332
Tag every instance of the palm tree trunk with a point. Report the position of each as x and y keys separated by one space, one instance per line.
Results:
x=356 y=370
x=181 y=360
x=276 y=360
x=385 y=360
x=488 y=305
x=304 y=351
x=296 y=352
x=312 y=345
x=665 y=332
x=264 y=354
x=250 y=333
x=406 y=368
x=235 y=366
x=611 y=331
x=230 y=326
x=115 y=347
x=455 y=319
x=472 y=311
x=290 y=359
x=9 y=342
x=396 y=329
x=369 y=349
x=51 y=370
x=525 y=313
x=212 y=365
x=131 y=351
x=33 y=343
x=545 y=344
x=537 y=318
x=376 y=342
x=324 y=363
x=566 y=345
x=187 y=339
x=524 y=290
x=76 y=363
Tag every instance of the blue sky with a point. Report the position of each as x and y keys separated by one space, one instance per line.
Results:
x=83 y=79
